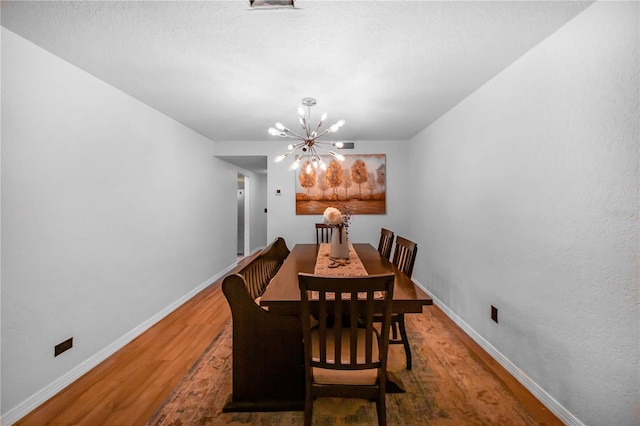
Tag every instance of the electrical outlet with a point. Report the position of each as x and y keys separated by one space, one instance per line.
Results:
x=494 y=313
x=61 y=347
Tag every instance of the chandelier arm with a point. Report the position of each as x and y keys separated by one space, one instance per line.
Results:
x=294 y=135
x=315 y=153
x=320 y=160
x=319 y=126
x=298 y=145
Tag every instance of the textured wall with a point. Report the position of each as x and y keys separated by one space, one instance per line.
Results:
x=528 y=200
x=110 y=213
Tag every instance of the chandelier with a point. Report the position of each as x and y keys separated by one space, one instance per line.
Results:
x=307 y=149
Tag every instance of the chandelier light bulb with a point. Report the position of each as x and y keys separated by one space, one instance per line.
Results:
x=339 y=144
x=323 y=117
x=279 y=158
x=273 y=132
x=301 y=112
x=334 y=128
x=337 y=156
x=295 y=164
x=280 y=126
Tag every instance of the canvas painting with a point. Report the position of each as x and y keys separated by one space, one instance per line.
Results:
x=359 y=183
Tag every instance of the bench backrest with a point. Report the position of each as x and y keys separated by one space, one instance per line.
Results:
x=258 y=273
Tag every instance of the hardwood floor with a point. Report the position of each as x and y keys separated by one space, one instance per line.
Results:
x=128 y=387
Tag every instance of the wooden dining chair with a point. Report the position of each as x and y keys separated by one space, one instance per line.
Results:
x=345 y=356
x=404 y=257
x=386 y=243
x=323 y=233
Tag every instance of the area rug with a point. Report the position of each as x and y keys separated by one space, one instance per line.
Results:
x=447 y=386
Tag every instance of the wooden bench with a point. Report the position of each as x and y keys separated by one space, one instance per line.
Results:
x=258 y=362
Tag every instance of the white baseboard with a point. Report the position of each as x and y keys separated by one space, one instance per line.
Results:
x=551 y=403
x=35 y=400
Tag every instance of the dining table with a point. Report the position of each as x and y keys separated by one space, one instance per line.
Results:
x=282 y=297
x=283 y=294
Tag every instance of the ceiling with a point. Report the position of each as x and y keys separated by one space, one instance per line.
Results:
x=389 y=68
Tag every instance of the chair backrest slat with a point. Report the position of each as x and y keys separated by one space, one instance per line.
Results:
x=337 y=330
x=369 y=327
x=322 y=315
x=353 y=329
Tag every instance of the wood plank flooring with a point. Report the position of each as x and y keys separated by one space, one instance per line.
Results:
x=128 y=387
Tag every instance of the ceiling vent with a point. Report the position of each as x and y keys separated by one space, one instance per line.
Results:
x=271 y=4
x=348 y=145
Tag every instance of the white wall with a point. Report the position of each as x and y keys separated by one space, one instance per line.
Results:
x=282 y=218
x=111 y=214
x=529 y=201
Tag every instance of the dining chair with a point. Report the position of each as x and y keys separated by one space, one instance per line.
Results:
x=323 y=233
x=345 y=355
x=386 y=243
x=404 y=257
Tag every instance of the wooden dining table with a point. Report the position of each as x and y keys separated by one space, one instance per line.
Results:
x=282 y=298
x=283 y=294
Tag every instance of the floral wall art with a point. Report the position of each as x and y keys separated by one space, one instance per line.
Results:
x=358 y=182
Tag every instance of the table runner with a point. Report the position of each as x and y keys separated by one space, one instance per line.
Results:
x=354 y=268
